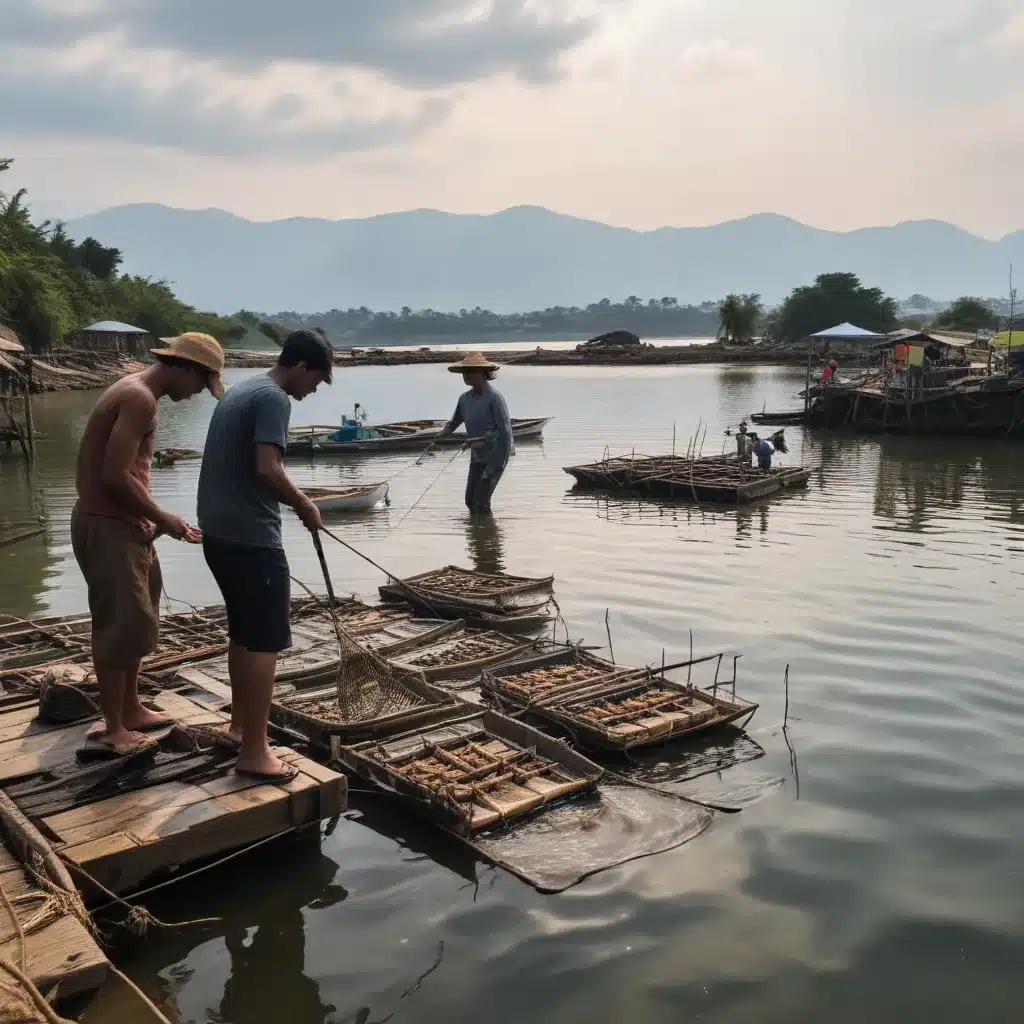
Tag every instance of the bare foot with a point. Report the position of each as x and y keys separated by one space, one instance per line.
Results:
x=141 y=719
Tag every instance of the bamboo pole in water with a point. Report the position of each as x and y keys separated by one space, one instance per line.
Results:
x=29 y=425
x=807 y=389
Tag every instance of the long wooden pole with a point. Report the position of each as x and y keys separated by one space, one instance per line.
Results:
x=29 y=425
x=807 y=389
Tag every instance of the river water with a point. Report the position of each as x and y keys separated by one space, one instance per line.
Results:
x=881 y=882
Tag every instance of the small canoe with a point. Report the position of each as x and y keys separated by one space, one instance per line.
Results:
x=347 y=499
x=773 y=418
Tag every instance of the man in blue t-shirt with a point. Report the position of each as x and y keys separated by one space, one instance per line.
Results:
x=241 y=485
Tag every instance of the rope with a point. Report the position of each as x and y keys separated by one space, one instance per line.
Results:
x=198 y=871
x=461 y=449
x=139 y=918
x=42 y=1007
x=146 y=1001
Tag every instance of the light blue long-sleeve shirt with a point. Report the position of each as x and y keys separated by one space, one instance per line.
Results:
x=486 y=416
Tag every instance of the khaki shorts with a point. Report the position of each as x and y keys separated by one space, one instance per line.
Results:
x=123 y=573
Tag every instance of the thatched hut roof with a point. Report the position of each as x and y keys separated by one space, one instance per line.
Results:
x=9 y=340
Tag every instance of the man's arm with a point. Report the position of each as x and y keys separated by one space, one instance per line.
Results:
x=134 y=421
x=503 y=422
x=271 y=475
x=456 y=421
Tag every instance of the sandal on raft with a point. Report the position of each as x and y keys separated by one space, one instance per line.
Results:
x=98 y=748
x=275 y=778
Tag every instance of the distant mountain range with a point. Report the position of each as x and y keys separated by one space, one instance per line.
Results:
x=526 y=258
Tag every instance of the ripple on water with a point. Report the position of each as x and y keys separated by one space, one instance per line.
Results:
x=884 y=870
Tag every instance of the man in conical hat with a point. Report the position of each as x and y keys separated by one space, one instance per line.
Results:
x=484 y=412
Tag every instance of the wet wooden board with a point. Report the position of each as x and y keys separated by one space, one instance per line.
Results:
x=125 y=838
x=61 y=952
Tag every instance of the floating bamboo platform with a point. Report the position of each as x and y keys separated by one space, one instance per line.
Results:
x=721 y=479
x=130 y=820
x=475 y=772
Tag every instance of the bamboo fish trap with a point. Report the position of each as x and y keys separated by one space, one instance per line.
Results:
x=455 y=592
x=473 y=773
x=609 y=708
x=460 y=654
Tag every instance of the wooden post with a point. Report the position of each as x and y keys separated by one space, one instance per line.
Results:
x=807 y=389
x=30 y=429
x=907 y=417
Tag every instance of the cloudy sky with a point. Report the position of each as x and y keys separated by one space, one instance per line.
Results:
x=840 y=113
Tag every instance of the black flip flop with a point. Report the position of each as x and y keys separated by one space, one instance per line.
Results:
x=274 y=778
x=96 y=748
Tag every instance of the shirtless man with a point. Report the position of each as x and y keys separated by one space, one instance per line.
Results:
x=114 y=524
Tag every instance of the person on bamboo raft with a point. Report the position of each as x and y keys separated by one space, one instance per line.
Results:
x=114 y=524
x=483 y=411
x=829 y=372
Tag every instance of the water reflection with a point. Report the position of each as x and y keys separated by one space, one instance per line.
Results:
x=264 y=933
x=486 y=544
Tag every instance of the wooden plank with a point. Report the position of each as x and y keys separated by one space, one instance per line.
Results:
x=62 y=953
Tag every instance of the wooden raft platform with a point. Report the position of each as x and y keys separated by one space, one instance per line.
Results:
x=721 y=479
x=59 y=950
x=183 y=808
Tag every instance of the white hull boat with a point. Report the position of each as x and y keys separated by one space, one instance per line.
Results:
x=347 y=499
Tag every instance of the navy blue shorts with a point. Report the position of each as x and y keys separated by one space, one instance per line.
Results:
x=256 y=586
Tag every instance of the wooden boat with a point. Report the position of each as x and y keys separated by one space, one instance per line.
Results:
x=719 y=478
x=456 y=591
x=407 y=435
x=458 y=655
x=471 y=773
x=522 y=430
x=164 y=457
x=780 y=418
x=347 y=499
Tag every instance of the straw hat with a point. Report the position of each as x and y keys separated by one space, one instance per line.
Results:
x=197 y=348
x=476 y=361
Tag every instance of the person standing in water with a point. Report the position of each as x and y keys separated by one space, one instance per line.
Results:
x=114 y=523
x=484 y=412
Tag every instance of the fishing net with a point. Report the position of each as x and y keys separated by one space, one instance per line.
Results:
x=367 y=686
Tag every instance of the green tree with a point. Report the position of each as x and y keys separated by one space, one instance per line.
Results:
x=831 y=300
x=739 y=316
x=967 y=314
x=50 y=284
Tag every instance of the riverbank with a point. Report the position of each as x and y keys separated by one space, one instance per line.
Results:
x=638 y=355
